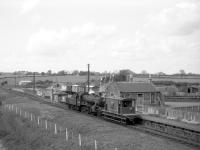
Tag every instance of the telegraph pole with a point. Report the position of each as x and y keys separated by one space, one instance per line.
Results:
x=88 y=77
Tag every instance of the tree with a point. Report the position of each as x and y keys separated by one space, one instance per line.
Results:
x=161 y=74
x=75 y=72
x=82 y=73
x=182 y=72
x=62 y=72
x=49 y=72
x=144 y=72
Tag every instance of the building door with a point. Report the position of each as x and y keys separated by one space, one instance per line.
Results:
x=140 y=102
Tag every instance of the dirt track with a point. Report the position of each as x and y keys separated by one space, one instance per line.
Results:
x=108 y=135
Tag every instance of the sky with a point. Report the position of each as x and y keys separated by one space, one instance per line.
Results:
x=151 y=35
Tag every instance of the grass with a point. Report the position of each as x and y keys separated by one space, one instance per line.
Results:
x=77 y=79
x=21 y=134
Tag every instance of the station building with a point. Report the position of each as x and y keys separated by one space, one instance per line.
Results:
x=144 y=93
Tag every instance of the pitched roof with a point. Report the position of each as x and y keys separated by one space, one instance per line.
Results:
x=135 y=87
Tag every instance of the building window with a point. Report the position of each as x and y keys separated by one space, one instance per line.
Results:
x=127 y=104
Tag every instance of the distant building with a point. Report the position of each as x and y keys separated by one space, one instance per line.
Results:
x=24 y=82
x=144 y=93
x=193 y=90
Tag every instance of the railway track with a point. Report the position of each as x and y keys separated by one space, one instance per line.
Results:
x=183 y=135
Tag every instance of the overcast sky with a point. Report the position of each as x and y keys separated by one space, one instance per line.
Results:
x=152 y=35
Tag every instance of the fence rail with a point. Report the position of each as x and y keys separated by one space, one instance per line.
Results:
x=185 y=114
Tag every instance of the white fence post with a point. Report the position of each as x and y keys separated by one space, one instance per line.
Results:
x=38 y=120
x=66 y=135
x=20 y=112
x=55 y=129
x=46 y=124
x=25 y=114
x=31 y=117
x=79 y=139
x=95 y=144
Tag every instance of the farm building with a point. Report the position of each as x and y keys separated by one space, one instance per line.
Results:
x=144 y=93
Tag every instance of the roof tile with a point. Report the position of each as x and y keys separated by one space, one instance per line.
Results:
x=135 y=87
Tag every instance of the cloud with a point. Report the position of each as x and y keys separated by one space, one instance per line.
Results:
x=35 y=19
x=168 y=41
x=28 y=5
x=183 y=19
x=173 y=35
x=88 y=38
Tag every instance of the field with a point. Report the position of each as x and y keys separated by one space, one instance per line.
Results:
x=175 y=79
x=20 y=133
x=78 y=79
x=67 y=78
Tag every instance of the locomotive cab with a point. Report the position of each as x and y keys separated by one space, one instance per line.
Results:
x=127 y=106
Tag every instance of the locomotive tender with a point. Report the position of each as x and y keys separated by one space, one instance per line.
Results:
x=120 y=110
